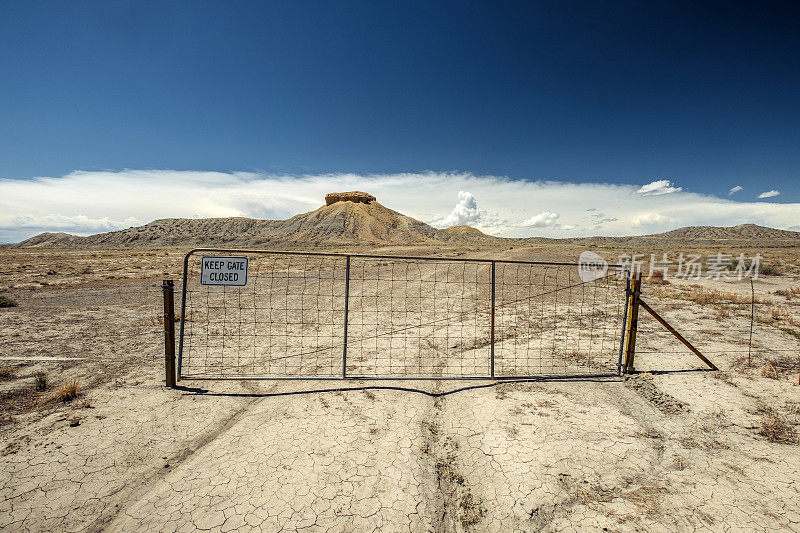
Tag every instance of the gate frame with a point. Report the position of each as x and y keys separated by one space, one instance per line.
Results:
x=491 y=377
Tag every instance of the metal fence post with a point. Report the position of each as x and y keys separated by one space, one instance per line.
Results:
x=346 y=309
x=623 y=337
x=168 y=288
x=491 y=333
x=633 y=323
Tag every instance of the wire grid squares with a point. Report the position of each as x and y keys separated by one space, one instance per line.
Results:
x=287 y=321
x=418 y=318
x=551 y=322
x=307 y=315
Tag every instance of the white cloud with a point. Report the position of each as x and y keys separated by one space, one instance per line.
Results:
x=649 y=220
x=769 y=194
x=735 y=189
x=89 y=202
x=542 y=220
x=467 y=213
x=658 y=187
x=80 y=223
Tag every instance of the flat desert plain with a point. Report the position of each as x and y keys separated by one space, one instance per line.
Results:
x=92 y=440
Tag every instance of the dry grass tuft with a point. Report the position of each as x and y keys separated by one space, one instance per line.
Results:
x=789 y=293
x=790 y=331
x=702 y=296
x=657 y=278
x=776 y=428
x=779 y=366
x=648 y=498
x=69 y=391
x=769 y=371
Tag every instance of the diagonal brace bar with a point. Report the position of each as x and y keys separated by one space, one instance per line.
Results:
x=669 y=328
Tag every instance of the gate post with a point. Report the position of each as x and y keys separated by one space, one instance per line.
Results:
x=633 y=323
x=346 y=308
x=623 y=338
x=168 y=288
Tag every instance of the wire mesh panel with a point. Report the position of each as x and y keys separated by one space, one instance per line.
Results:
x=286 y=321
x=316 y=315
x=551 y=322
x=418 y=317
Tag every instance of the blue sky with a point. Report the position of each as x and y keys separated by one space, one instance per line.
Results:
x=704 y=96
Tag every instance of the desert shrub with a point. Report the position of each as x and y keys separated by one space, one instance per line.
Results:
x=69 y=391
x=40 y=381
x=7 y=301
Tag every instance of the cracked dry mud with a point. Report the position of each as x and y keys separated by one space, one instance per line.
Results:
x=527 y=456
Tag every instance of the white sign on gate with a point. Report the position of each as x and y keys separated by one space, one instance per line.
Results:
x=223 y=270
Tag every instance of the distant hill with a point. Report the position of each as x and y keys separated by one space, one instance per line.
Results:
x=743 y=234
x=340 y=223
x=356 y=218
x=742 y=231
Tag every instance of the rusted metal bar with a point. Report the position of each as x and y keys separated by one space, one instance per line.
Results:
x=678 y=335
x=491 y=333
x=168 y=288
x=633 y=324
x=346 y=310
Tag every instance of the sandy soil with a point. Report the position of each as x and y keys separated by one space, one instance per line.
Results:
x=675 y=447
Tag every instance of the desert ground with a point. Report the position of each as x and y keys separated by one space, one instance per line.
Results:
x=92 y=440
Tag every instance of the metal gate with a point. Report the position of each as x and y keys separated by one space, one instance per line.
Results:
x=306 y=315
